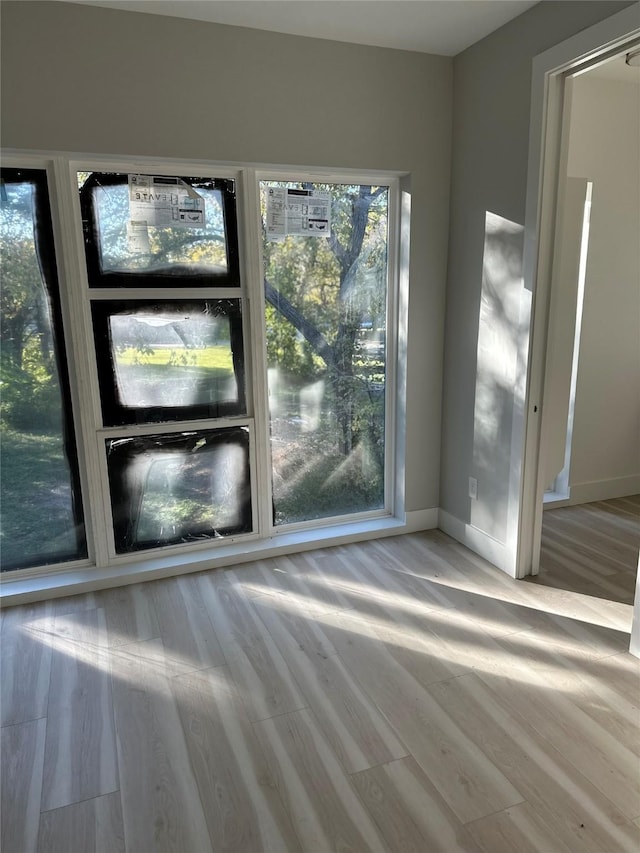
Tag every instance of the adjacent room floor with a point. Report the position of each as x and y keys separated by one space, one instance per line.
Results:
x=398 y=695
x=592 y=548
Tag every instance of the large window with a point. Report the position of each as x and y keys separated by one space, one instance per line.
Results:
x=42 y=518
x=226 y=385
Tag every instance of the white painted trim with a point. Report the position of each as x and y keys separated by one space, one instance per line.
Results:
x=554 y=500
x=634 y=645
x=604 y=490
x=549 y=69
x=168 y=165
x=422 y=519
x=21 y=590
x=249 y=234
x=393 y=391
x=477 y=540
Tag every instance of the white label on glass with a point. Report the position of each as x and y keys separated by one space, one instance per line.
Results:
x=302 y=213
x=138 y=238
x=165 y=201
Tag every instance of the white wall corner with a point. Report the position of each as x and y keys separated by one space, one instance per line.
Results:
x=476 y=540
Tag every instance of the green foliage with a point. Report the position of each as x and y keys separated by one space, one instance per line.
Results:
x=30 y=398
x=162 y=513
x=336 y=287
x=287 y=349
x=30 y=395
x=313 y=480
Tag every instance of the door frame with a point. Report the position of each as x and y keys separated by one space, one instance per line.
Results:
x=549 y=73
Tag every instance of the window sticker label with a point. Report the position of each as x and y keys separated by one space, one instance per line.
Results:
x=165 y=201
x=301 y=213
x=138 y=238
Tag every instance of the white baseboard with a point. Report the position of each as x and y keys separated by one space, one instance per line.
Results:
x=604 y=490
x=421 y=519
x=634 y=646
x=475 y=539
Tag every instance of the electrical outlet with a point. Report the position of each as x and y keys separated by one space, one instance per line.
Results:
x=473 y=488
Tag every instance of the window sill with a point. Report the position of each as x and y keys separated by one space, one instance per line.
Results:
x=22 y=590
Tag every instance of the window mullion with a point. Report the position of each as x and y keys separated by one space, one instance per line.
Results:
x=250 y=230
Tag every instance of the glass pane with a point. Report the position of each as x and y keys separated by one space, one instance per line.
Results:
x=326 y=299
x=155 y=226
x=169 y=360
x=41 y=512
x=179 y=487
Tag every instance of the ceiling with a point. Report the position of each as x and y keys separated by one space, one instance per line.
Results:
x=429 y=26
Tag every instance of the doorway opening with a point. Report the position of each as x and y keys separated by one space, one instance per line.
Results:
x=587 y=538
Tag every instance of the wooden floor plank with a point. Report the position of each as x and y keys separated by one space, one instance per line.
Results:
x=241 y=798
x=21 y=762
x=94 y=825
x=582 y=542
x=80 y=758
x=26 y=662
x=470 y=783
x=518 y=828
x=420 y=627
x=266 y=684
x=325 y=809
x=161 y=806
x=73 y=603
x=184 y=624
x=308 y=570
x=299 y=579
x=131 y=616
x=590 y=746
x=358 y=733
x=605 y=689
x=235 y=624
x=409 y=811
x=581 y=816
x=560 y=569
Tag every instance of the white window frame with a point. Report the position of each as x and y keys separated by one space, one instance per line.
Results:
x=348 y=179
x=104 y=567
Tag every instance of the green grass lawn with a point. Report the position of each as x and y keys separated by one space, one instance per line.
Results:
x=216 y=357
x=36 y=510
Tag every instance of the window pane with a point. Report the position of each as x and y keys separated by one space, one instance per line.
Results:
x=41 y=510
x=138 y=234
x=326 y=327
x=169 y=360
x=179 y=487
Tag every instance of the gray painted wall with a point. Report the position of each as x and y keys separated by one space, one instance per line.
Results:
x=99 y=80
x=604 y=146
x=492 y=86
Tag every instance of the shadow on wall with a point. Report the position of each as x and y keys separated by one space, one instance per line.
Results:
x=501 y=339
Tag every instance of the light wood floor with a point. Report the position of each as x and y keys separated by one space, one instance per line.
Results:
x=592 y=548
x=400 y=695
